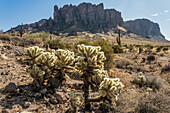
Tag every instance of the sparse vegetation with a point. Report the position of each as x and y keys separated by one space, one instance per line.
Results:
x=150 y=58
x=43 y=89
x=56 y=44
x=117 y=49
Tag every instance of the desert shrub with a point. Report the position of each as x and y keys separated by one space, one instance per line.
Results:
x=148 y=81
x=56 y=44
x=122 y=64
x=130 y=48
x=69 y=46
x=108 y=52
x=149 y=46
x=165 y=49
x=148 y=51
x=125 y=45
x=5 y=37
x=24 y=42
x=42 y=35
x=166 y=68
x=151 y=58
x=153 y=103
x=129 y=65
x=158 y=49
x=117 y=49
x=84 y=41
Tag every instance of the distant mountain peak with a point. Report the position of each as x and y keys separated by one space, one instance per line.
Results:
x=144 y=27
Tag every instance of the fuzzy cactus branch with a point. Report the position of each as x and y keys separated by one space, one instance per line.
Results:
x=110 y=88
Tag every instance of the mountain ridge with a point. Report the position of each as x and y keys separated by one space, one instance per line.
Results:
x=92 y=18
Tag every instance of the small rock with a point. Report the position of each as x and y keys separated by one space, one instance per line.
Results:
x=11 y=87
x=60 y=97
x=43 y=91
x=53 y=100
x=37 y=95
x=11 y=100
x=27 y=104
x=5 y=111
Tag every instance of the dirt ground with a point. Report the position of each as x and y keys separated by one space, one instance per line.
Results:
x=17 y=95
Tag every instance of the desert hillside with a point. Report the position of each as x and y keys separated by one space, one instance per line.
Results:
x=134 y=58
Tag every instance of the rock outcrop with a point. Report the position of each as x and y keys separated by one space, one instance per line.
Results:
x=91 y=18
x=145 y=28
x=84 y=17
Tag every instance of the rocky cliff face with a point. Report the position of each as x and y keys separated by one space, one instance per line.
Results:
x=85 y=17
x=145 y=28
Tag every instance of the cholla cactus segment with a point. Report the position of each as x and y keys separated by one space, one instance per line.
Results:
x=99 y=76
x=110 y=88
x=141 y=79
x=35 y=72
x=65 y=58
x=91 y=58
x=33 y=53
x=46 y=60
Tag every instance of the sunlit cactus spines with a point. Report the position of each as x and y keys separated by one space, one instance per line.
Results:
x=55 y=65
x=90 y=58
x=46 y=60
x=62 y=64
x=110 y=88
x=64 y=58
x=33 y=53
x=100 y=75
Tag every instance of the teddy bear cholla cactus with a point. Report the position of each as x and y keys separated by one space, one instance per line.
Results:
x=54 y=64
x=110 y=89
x=89 y=61
x=91 y=68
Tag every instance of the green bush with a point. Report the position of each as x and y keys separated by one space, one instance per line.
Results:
x=149 y=46
x=130 y=48
x=158 y=49
x=108 y=51
x=56 y=44
x=84 y=41
x=117 y=49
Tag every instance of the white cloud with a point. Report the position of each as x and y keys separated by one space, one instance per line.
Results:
x=166 y=11
x=168 y=19
x=156 y=14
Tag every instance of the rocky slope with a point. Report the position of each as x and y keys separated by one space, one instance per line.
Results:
x=145 y=28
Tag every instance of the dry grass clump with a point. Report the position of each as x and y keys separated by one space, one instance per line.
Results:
x=130 y=65
x=154 y=103
x=149 y=81
x=166 y=68
x=135 y=101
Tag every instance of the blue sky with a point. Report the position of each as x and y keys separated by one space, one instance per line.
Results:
x=14 y=12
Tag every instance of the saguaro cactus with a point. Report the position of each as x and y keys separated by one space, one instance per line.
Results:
x=22 y=30
x=118 y=39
